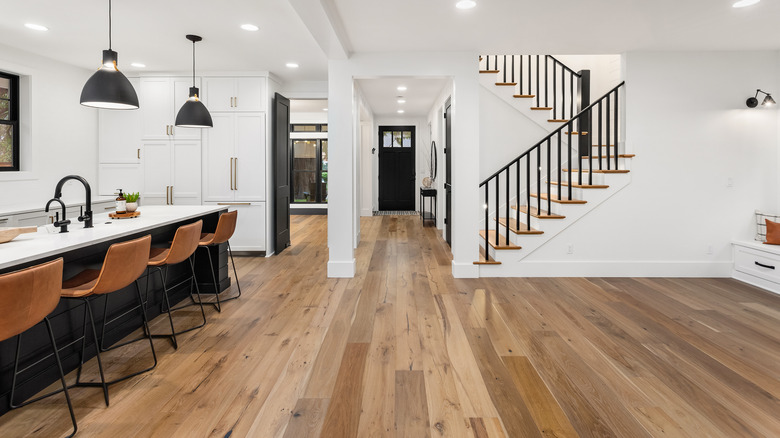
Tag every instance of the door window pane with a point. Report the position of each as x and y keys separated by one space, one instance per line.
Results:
x=324 y=173
x=407 y=139
x=387 y=139
x=305 y=155
x=5 y=99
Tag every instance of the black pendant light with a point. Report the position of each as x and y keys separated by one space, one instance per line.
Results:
x=193 y=114
x=108 y=87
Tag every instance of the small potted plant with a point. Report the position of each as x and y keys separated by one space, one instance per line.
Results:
x=132 y=201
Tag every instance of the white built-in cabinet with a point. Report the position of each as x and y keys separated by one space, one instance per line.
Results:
x=234 y=94
x=160 y=99
x=119 y=150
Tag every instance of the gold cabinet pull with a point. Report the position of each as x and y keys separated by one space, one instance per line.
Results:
x=235 y=174
x=172 y=203
x=139 y=154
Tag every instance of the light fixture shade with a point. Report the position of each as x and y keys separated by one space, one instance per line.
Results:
x=193 y=114
x=768 y=101
x=108 y=87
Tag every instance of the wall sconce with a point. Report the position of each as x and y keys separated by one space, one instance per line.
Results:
x=752 y=102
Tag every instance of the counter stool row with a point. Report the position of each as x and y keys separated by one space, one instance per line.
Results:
x=29 y=295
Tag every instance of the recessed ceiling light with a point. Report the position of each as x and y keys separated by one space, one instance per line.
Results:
x=401 y=101
x=744 y=3
x=324 y=109
x=34 y=26
x=138 y=65
x=291 y=65
x=250 y=27
x=400 y=111
x=401 y=88
x=465 y=4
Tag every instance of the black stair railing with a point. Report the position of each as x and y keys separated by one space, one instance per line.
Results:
x=548 y=80
x=554 y=151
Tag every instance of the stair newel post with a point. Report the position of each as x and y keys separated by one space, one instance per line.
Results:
x=487 y=224
x=549 y=189
x=560 y=181
x=599 y=135
x=609 y=140
x=508 y=174
x=568 y=147
x=538 y=94
x=527 y=192
x=583 y=100
x=617 y=117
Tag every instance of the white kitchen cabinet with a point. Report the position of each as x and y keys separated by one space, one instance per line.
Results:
x=171 y=172
x=127 y=177
x=234 y=156
x=160 y=100
x=119 y=134
x=234 y=94
x=250 y=227
x=40 y=218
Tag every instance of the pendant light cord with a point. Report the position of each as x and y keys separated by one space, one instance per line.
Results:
x=109 y=24
x=193 y=63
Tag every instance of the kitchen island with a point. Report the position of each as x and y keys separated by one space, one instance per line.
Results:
x=85 y=248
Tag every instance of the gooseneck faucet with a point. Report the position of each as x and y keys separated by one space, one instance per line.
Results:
x=87 y=216
x=63 y=224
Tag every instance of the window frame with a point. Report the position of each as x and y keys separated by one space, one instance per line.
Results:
x=13 y=122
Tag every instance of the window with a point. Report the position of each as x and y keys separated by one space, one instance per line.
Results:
x=310 y=171
x=397 y=139
x=9 y=122
x=308 y=128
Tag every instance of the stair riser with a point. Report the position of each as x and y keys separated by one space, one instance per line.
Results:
x=598 y=178
x=623 y=163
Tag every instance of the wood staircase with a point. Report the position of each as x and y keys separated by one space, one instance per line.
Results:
x=539 y=194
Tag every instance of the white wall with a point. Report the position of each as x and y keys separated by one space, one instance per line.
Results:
x=605 y=71
x=692 y=133
x=59 y=136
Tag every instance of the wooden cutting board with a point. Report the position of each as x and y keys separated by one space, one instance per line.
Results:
x=124 y=215
x=8 y=234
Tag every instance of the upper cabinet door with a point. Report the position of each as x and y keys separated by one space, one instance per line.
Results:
x=119 y=134
x=250 y=174
x=219 y=94
x=156 y=101
x=250 y=94
x=181 y=92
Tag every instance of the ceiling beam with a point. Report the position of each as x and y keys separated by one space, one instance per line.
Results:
x=322 y=19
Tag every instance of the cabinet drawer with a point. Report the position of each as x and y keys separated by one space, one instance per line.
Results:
x=761 y=264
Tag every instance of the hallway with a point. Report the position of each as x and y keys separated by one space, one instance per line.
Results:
x=403 y=349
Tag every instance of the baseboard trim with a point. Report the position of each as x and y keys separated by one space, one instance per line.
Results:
x=465 y=270
x=341 y=269
x=529 y=268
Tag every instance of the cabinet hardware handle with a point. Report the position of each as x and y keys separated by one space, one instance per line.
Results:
x=167 y=195
x=231 y=102
x=765 y=266
x=172 y=195
x=3 y=220
x=51 y=219
x=231 y=173
x=234 y=203
x=172 y=133
x=109 y=208
x=167 y=132
x=235 y=174
x=139 y=154
x=236 y=101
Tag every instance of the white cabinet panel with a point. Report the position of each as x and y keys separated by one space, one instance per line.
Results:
x=156 y=103
x=111 y=177
x=185 y=183
x=40 y=218
x=119 y=134
x=157 y=172
x=250 y=226
x=250 y=94
x=218 y=93
x=250 y=157
x=218 y=159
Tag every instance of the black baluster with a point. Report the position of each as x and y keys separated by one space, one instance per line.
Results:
x=563 y=94
x=617 y=117
x=517 y=195
x=538 y=97
x=609 y=142
x=571 y=100
x=504 y=68
x=529 y=76
x=549 y=190
x=521 y=77
x=513 y=70
x=555 y=93
x=539 y=178
x=560 y=181
x=590 y=146
x=571 y=183
x=498 y=207
x=599 y=137
x=487 y=223
x=508 y=172
x=546 y=80
x=527 y=191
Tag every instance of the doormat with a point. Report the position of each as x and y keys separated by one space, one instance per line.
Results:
x=396 y=213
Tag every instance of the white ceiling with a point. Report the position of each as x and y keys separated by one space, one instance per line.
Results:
x=152 y=32
x=420 y=95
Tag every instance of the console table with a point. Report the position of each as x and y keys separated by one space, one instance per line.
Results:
x=429 y=194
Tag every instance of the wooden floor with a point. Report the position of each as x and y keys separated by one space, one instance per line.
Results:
x=403 y=349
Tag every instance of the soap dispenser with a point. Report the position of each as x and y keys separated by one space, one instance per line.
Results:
x=121 y=203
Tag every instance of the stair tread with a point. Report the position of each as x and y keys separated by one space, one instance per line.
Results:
x=541 y=108
x=554 y=198
x=501 y=245
x=611 y=156
x=518 y=227
x=558 y=120
x=524 y=96
x=598 y=171
x=581 y=186
x=509 y=84
x=488 y=71
x=543 y=215
x=482 y=260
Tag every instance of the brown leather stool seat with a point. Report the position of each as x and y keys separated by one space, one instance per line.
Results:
x=226 y=226
x=183 y=246
x=26 y=298
x=124 y=263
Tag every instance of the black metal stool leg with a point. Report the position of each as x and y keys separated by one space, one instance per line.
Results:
x=217 y=305
x=167 y=304
x=97 y=351
x=147 y=332
x=62 y=378
x=235 y=273
x=197 y=291
x=16 y=371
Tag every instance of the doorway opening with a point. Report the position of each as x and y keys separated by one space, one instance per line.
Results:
x=397 y=168
x=309 y=156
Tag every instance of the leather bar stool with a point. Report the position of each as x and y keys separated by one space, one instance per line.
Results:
x=124 y=263
x=183 y=246
x=225 y=228
x=26 y=297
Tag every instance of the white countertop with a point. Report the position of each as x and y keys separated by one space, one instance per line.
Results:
x=71 y=201
x=48 y=241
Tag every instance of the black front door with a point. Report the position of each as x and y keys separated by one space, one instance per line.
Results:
x=448 y=165
x=281 y=157
x=396 y=167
